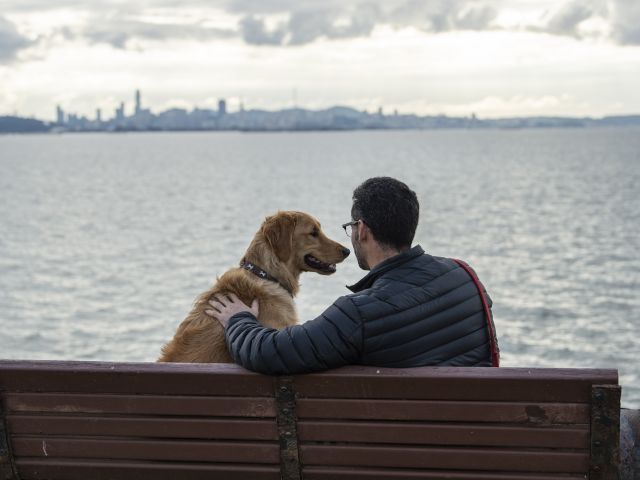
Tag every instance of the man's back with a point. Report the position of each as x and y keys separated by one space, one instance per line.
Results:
x=421 y=310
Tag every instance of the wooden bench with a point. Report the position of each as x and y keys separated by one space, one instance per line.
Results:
x=92 y=420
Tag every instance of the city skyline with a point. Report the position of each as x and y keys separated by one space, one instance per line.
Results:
x=288 y=119
x=120 y=113
x=497 y=58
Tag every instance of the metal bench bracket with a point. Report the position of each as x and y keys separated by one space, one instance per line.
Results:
x=7 y=467
x=605 y=432
x=285 y=396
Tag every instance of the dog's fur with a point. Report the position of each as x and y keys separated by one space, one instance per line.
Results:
x=279 y=248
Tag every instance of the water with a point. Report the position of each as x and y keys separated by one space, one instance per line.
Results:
x=106 y=239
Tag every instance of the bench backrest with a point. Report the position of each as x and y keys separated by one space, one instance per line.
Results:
x=79 y=420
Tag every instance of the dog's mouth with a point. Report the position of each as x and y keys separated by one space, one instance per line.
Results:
x=319 y=265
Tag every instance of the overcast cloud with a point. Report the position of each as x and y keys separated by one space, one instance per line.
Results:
x=625 y=21
x=294 y=22
x=117 y=31
x=11 y=41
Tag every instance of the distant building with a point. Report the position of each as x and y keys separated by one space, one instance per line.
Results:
x=138 y=104
x=98 y=115
x=222 y=107
x=120 y=113
x=473 y=120
x=59 y=115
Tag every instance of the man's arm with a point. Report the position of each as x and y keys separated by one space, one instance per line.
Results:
x=332 y=340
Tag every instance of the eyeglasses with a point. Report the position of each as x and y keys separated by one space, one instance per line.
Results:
x=348 y=227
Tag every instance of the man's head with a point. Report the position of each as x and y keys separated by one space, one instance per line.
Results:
x=388 y=210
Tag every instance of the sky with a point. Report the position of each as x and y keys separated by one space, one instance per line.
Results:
x=494 y=58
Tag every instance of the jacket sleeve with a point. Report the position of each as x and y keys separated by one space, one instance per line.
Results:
x=332 y=340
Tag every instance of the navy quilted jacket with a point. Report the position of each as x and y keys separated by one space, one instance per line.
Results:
x=411 y=310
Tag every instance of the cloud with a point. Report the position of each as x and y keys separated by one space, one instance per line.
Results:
x=476 y=17
x=11 y=41
x=620 y=18
x=308 y=24
x=263 y=22
x=567 y=19
x=119 y=30
x=625 y=21
x=442 y=15
x=254 y=31
x=295 y=22
x=309 y=21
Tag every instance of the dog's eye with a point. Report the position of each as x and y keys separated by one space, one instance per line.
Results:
x=314 y=233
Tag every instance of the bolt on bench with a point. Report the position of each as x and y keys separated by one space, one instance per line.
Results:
x=94 y=420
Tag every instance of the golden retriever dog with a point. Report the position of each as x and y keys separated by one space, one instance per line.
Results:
x=287 y=244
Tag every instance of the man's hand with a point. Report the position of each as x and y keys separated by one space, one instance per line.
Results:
x=226 y=306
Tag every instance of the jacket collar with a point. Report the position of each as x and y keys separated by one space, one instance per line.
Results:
x=385 y=266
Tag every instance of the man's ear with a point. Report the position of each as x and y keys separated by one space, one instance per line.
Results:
x=363 y=231
x=278 y=232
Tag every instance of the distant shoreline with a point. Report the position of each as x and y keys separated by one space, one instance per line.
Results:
x=335 y=119
x=318 y=130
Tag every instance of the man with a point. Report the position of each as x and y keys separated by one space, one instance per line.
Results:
x=410 y=310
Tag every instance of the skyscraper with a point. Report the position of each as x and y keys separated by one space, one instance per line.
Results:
x=138 y=106
x=59 y=115
x=222 y=107
x=120 y=113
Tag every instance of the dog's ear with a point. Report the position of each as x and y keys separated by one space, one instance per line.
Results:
x=278 y=231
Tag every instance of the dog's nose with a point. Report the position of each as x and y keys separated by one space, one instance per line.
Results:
x=345 y=252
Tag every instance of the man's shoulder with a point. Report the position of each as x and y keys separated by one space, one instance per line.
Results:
x=421 y=268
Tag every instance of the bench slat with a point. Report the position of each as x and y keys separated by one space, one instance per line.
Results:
x=443 y=458
x=441 y=434
x=80 y=469
x=448 y=383
x=141 y=404
x=196 y=428
x=129 y=449
x=146 y=378
x=340 y=473
x=456 y=383
x=503 y=412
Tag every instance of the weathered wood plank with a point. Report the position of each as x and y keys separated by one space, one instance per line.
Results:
x=442 y=410
x=80 y=469
x=195 y=428
x=141 y=378
x=445 y=458
x=130 y=449
x=141 y=404
x=451 y=383
x=456 y=383
x=440 y=434
x=346 y=473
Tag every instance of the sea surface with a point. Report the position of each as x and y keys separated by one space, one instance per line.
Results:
x=106 y=239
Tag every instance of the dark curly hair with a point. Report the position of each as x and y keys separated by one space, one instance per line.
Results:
x=389 y=208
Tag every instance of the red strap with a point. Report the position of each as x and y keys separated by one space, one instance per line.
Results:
x=493 y=341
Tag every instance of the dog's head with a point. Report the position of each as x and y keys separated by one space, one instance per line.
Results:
x=297 y=240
